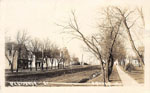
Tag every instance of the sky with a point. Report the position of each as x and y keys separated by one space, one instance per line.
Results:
x=39 y=18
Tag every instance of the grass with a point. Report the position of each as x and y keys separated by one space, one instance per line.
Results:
x=77 y=74
x=114 y=78
x=72 y=77
x=69 y=75
x=137 y=74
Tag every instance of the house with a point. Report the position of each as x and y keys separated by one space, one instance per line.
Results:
x=16 y=52
x=10 y=55
x=134 y=61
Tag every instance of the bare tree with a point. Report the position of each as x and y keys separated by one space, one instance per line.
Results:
x=45 y=49
x=140 y=11
x=41 y=50
x=91 y=42
x=110 y=30
x=113 y=23
x=22 y=39
x=141 y=51
x=9 y=48
x=10 y=52
x=35 y=48
x=125 y=14
x=34 y=45
x=66 y=57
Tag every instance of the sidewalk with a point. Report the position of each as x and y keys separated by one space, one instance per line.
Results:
x=114 y=79
x=126 y=79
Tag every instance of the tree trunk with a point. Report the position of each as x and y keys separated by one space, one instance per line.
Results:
x=30 y=65
x=55 y=65
x=63 y=65
x=19 y=56
x=51 y=65
x=12 y=67
x=107 y=72
x=132 y=42
x=36 y=63
x=46 y=63
x=58 y=65
x=17 y=64
x=103 y=73
x=111 y=65
x=42 y=65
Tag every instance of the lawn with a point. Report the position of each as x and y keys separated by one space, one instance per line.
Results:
x=75 y=76
x=114 y=78
x=137 y=74
x=69 y=75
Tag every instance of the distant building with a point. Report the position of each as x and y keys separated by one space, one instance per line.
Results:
x=26 y=58
x=14 y=51
x=130 y=59
x=135 y=62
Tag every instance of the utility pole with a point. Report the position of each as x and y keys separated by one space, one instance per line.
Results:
x=82 y=60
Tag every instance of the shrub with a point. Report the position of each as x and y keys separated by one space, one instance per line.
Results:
x=86 y=64
x=129 y=67
x=76 y=63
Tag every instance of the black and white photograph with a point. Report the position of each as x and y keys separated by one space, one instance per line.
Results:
x=75 y=43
